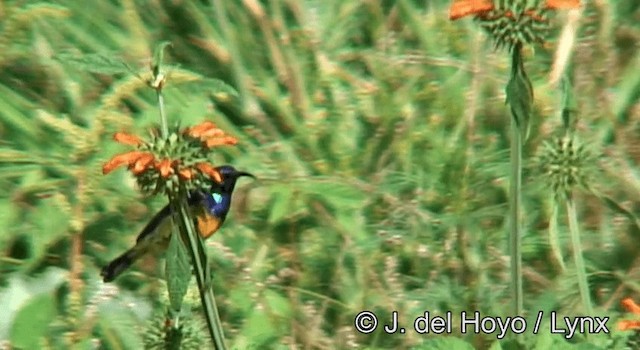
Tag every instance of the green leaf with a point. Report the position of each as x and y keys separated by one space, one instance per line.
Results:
x=569 y=104
x=158 y=57
x=32 y=322
x=520 y=94
x=95 y=62
x=215 y=87
x=178 y=270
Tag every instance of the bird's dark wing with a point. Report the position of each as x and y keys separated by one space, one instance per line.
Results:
x=155 y=221
x=195 y=198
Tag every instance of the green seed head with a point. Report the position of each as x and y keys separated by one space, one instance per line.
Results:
x=565 y=163
x=516 y=22
x=161 y=333
x=181 y=151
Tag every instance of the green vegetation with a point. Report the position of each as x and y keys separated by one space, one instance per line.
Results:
x=380 y=137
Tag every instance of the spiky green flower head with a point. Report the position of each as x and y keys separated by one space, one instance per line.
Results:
x=513 y=22
x=163 y=164
x=164 y=333
x=565 y=163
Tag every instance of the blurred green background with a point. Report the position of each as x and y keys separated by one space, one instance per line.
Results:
x=379 y=134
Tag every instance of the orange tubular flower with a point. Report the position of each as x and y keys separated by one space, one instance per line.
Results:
x=562 y=4
x=462 y=8
x=128 y=139
x=128 y=158
x=186 y=173
x=209 y=170
x=143 y=162
x=165 y=167
x=220 y=141
x=211 y=135
x=629 y=305
x=199 y=130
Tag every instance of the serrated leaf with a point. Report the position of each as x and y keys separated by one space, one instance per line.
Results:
x=95 y=62
x=178 y=270
x=32 y=322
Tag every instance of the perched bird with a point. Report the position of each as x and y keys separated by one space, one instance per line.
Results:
x=209 y=209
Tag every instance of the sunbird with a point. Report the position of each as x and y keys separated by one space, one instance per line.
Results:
x=209 y=209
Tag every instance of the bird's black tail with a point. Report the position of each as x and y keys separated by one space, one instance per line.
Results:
x=118 y=265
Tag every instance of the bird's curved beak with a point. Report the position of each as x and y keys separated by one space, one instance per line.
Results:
x=242 y=173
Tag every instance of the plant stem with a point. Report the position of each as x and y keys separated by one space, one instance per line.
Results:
x=163 y=116
x=554 y=238
x=515 y=228
x=196 y=249
x=200 y=264
x=574 y=230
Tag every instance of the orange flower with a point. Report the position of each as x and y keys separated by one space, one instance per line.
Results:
x=186 y=173
x=165 y=167
x=220 y=141
x=628 y=325
x=462 y=8
x=209 y=170
x=211 y=135
x=127 y=139
x=629 y=305
x=562 y=4
x=201 y=129
x=128 y=158
x=143 y=162
x=163 y=159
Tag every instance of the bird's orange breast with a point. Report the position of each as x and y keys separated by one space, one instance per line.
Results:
x=207 y=225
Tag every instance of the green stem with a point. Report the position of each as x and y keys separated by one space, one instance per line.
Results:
x=574 y=230
x=554 y=237
x=199 y=259
x=163 y=116
x=515 y=227
x=196 y=249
